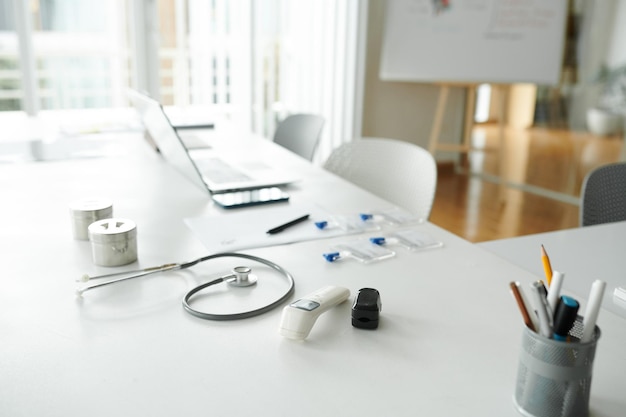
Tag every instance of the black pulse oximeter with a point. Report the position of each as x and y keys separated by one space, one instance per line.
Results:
x=366 y=309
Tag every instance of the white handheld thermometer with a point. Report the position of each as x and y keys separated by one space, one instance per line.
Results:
x=300 y=316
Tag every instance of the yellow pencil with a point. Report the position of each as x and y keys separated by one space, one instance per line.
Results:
x=547 y=268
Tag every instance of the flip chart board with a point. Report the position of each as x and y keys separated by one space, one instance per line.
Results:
x=473 y=41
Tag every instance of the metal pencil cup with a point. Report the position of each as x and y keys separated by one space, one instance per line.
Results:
x=554 y=377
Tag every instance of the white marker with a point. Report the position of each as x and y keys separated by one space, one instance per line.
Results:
x=300 y=316
x=593 y=309
x=554 y=291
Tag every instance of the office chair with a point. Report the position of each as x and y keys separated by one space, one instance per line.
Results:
x=300 y=133
x=603 y=195
x=400 y=172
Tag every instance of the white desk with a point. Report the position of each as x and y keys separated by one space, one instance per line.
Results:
x=447 y=343
x=583 y=254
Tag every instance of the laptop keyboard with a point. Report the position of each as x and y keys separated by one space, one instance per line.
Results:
x=220 y=172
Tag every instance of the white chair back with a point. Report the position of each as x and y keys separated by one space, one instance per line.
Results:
x=400 y=172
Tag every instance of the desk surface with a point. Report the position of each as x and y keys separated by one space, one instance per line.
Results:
x=447 y=343
x=583 y=254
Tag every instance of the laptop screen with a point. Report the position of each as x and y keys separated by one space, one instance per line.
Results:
x=165 y=137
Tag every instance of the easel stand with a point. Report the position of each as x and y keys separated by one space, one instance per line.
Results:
x=470 y=107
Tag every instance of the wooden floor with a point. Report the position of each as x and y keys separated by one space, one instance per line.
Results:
x=543 y=170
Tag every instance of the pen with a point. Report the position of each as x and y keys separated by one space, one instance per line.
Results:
x=547 y=268
x=592 y=310
x=543 y=311
x=287 y=225
x=564 y=317
x=516 y=290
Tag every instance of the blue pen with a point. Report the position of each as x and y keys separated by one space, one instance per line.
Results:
x=564 y=317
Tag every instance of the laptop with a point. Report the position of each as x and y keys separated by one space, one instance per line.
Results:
x=205 y=168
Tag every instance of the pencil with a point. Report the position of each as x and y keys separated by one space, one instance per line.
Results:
x=547 y=268
x=519 y=297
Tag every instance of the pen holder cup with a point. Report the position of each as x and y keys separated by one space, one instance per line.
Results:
x=554 y=377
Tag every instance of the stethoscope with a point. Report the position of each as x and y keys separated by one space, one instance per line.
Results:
x=241 y=276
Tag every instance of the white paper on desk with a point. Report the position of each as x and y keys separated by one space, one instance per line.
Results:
x=247 y=229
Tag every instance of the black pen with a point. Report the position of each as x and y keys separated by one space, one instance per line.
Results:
x=282 y=227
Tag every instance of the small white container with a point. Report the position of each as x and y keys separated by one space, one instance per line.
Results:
x=603 y=122
x=84 y=212
x=113 y=242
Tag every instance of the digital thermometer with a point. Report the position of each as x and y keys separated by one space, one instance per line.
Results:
x=300 y=316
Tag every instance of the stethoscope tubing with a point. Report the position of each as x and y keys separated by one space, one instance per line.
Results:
x=187 y=298
x=244 y=314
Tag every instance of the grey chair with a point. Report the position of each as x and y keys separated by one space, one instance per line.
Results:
x=603 y=195
x=300 y=133
x=400 y=172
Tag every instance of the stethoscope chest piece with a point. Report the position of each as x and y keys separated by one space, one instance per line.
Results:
x=242 y=277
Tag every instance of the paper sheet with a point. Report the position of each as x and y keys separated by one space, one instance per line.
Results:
x=247 y=228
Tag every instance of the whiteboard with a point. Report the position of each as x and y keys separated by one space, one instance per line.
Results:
x=472 y=41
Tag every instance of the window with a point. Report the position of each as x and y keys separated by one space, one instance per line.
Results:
x=71 y=59
x=253 y=61
x=10 y=86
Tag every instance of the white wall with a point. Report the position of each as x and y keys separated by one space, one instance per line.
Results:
x=406 y=110
x=602 y=42
x=617 y=47
x=402 y=110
